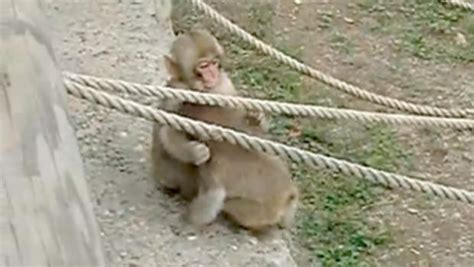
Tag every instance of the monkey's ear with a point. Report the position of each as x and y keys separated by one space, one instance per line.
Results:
x=171 y=66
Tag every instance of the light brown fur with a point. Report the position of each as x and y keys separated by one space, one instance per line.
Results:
x=255 y=189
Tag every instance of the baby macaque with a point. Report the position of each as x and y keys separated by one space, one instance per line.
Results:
x=255 y=189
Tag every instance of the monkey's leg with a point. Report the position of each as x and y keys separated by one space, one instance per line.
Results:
x=251 y=214
x=209 y=202
x=174 y=177
x=181 y=148
x=167 y=176
x=289 y=216
x=188 y=184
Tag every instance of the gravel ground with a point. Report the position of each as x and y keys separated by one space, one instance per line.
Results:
x=140 y=225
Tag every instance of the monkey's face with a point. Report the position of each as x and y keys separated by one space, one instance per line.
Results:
x=207 y=71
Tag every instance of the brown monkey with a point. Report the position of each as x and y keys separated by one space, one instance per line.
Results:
x=195 y=63
x=253 y=188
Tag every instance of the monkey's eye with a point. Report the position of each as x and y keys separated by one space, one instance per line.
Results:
x=203 y=65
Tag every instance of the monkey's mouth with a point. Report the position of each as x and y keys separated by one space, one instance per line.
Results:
x=205 y=88
x=209 y=85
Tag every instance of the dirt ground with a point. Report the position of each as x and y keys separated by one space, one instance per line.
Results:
x=427 y=232
x=140 y=225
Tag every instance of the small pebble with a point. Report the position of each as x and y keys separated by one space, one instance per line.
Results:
x=348 y=20
x=414 y=251
x=412 y=211
x=460 y=39
x=253 y=241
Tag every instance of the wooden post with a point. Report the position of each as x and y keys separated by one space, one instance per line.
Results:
x=46 y=216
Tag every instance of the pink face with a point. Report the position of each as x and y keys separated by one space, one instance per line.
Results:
x=208 y=73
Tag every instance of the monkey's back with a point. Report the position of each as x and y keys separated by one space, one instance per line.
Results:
x=240 y=168
x=259 y=189
x=230 y=163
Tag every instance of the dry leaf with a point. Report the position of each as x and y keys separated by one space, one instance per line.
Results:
x=295 y=131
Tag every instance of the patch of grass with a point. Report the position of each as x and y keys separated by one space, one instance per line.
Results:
x=341 y=42
x=370 y=5
x=383 y=151
x=259 y=18
x=426 y=29
x=336 y=235
x=378 y=12
x=325 y=20
x=333 y=221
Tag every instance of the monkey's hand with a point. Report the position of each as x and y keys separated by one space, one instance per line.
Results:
x=181 y=148
x=199 y=152
x=257 y=118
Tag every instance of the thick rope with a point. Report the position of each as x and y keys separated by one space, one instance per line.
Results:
x=270 y=106
x=213 y=132
x=459 y=3
x=325 y=78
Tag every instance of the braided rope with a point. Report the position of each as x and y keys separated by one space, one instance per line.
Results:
x=269 y=106
x=325 y=78
x=212 y=132
x=459 y=3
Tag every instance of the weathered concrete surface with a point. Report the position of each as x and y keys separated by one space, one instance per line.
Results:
x=46 y=216
x=141 y=226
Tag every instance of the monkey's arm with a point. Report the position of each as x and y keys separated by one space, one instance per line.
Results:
x=254 y=118
x=178 y=145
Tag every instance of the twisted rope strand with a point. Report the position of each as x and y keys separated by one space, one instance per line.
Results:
x=269 y=106
x=212 y=132
x=459 y=3
x=325 y=78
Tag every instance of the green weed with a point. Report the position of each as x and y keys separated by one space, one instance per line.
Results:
x=426 y=29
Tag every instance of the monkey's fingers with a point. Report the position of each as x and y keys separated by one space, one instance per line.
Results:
x=199 y=152
x=257 y=118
